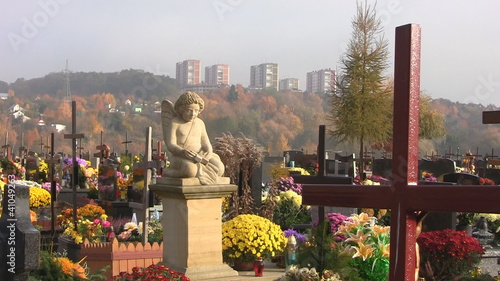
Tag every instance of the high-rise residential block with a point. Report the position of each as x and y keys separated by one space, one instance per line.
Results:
x=289 y=84
x=321 y=81
x=188 y=72
x=217 y=74
x=264 y=76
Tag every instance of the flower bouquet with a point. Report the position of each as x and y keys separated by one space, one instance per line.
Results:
x=368 y=243
x=130 y=232
x=247 y=237
x=289 y=210
x=9 y=167
x=448 y=254
x=92 y=224
x=84 y=171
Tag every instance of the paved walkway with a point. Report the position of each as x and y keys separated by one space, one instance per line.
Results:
x=271 y=273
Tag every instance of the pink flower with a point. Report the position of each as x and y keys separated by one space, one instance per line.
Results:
x=106 y=224
x=97 y=221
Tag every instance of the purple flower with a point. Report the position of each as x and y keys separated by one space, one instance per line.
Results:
x=335 y=219
x=81 y=162
x=299 y=237
x=47 y=186
x=288 y=183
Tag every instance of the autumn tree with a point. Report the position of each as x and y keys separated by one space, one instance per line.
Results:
x=360 y=106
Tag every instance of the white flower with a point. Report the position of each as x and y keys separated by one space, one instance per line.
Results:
x=130 y=225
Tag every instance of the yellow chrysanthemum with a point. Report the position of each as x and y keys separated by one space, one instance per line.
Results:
x=251 y=236
x=39 y=197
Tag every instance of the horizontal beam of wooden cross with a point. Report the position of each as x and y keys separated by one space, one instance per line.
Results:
x=491 y=117
x=438 y=198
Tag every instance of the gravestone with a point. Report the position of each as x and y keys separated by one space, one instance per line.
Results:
x=481 y=167
x=256 y=187
x=31 y=166
x=19 y=240
x=347 y=166
x=492 y=170
x=382 y=167
x=106 y=182
x=461 y=178
x=437 y=167
x=267 y=164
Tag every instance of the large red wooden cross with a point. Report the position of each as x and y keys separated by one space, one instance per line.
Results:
x=404 y=197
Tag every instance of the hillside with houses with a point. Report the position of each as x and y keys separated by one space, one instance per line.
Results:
x=112 y=103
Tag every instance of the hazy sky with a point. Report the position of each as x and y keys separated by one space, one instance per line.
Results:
x=460 y=39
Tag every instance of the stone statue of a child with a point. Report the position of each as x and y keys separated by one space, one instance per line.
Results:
x=187 y=140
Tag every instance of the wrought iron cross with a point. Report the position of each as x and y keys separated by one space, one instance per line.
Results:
x=404 y=196
x=74 y=136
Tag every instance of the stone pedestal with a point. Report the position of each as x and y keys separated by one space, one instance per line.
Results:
x=192 y=226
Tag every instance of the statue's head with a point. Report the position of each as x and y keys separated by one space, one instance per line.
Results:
x=188 y=98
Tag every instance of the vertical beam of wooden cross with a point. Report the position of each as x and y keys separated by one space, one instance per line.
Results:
x=406 y=122
x=126 y=142
x=404 y=197
x=74 y=136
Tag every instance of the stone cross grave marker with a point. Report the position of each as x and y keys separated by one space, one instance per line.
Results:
x=74 y=136
x=404 y=197
x=19 y=240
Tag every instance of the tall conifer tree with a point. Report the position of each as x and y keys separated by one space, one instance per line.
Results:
x=361 y=103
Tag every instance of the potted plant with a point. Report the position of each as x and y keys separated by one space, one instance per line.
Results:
x=448 y=254
x=465 y=221
x=248 y=237
x=289 y=210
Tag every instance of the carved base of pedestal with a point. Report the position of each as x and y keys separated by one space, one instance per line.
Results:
x=192 y=240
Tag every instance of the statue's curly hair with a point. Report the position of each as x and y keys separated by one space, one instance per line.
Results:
x=188 y=98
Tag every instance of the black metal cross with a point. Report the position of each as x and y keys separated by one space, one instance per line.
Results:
x=74 y=136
